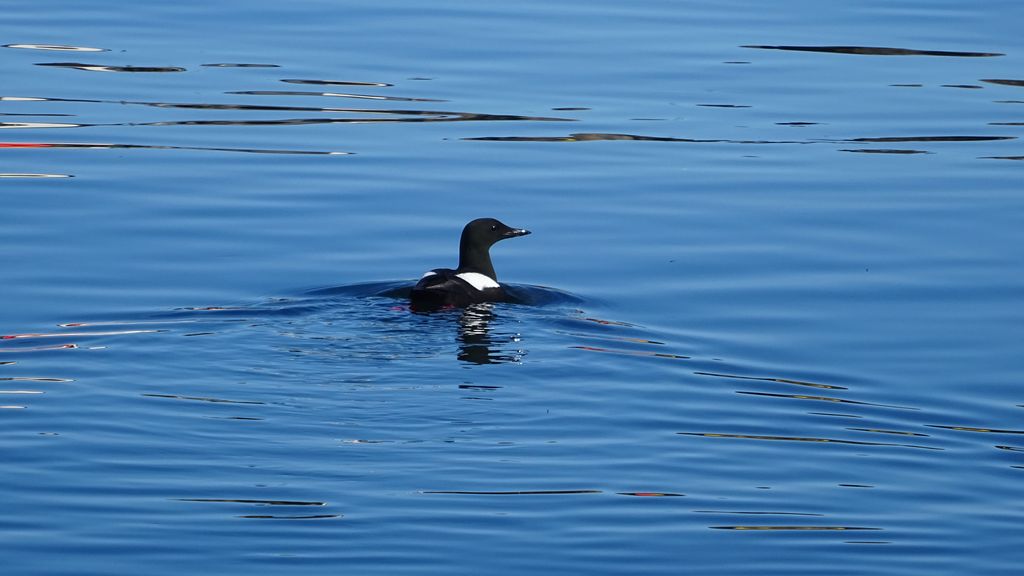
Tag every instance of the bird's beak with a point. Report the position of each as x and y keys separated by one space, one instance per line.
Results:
x=513 y=232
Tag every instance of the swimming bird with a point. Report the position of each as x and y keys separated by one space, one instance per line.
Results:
x=474 y=280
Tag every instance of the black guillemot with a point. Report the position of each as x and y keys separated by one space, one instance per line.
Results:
x=474 y=280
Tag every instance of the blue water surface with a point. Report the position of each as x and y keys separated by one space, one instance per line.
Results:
x=771 y=306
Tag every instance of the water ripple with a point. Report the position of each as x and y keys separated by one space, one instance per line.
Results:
x=778 y=380
x=810 y=439
x=332 y=95
x=108 y=68
x=239 y=65
x=513 y=492
x=113 y=146
x=804 y=528
x=203 y=399
x=596 y=136
x=55 y=47
x=1004 y=82
x=402 y=115
x=885 y=151
x=976 y=429
x=335 y=82
x=877 y=51
x=821 y=399
x=18 y=125
x=932 y=139
x=32 y=174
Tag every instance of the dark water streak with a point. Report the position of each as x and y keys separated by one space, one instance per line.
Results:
x=876 y=51
x=108 y=68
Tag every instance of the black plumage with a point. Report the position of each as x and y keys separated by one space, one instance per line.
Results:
x=474 y=280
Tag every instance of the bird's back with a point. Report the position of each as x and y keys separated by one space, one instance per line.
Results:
x=446 y=287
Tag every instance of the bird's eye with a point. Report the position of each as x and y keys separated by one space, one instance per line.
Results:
x=494 y=227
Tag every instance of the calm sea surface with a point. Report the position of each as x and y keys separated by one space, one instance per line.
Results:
x=776 y=280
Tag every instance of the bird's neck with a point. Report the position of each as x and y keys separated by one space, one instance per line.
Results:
x=476 y=259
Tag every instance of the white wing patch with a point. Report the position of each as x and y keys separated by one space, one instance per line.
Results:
x=478 y=280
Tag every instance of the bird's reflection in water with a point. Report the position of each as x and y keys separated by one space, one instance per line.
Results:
x=477 y=343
